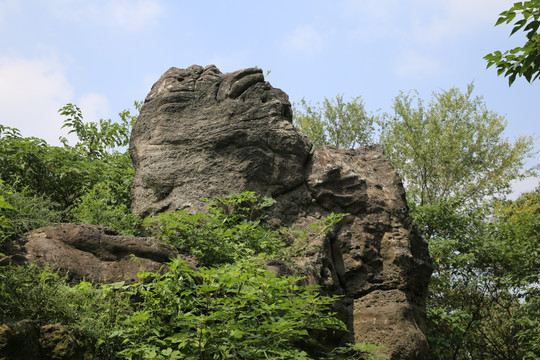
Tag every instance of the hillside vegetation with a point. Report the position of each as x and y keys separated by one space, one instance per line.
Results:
x=483 y=301
x=231 y=308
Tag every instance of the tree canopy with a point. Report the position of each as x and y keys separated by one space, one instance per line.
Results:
x=453 y=147
x=343 y=124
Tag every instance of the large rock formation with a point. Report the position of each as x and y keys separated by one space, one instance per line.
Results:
x=202 y=133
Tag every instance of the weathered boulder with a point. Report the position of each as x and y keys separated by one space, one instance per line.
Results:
x=202 y=133
x=94 y=253
x=82 y=252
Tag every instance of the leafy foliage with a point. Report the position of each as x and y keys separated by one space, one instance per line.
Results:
x=65 y=174
x=454 y=147
x=4 y=220
x=102 y=206
x=359 y=351
x=98 y=139
x=29 y=292
x=33 y=165
x=21 y=212
x=238 y=311
x=523 y=60
x=335 y=122
x=228 y=232
x=515 y=247
x=483 y=300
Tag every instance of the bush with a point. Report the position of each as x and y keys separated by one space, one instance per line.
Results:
x=21 y=212
x=100 y=206
x=65 y=173
x=237 y=311
x=231 y=230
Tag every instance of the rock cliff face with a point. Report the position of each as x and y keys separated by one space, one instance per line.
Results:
x=202 y=133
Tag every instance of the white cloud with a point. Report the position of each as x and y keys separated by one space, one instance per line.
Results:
x=412 y=64
x=31 y=92
x=123 y=14
x=457 y=17
x=306 y=39
x=94 y=107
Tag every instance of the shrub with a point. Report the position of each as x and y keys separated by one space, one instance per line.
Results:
x=237 y=311
x=21 y=212
x=231 y=230
x=100 y=206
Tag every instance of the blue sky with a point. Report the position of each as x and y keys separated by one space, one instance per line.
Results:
x=104 y=54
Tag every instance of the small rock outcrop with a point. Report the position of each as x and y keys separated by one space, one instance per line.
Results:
x=93 y=253
x=81 y=252
x=202 y=134
x=26 y=340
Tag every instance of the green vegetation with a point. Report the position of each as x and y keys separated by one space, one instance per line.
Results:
x=336 y=122
x=20 y=212
x=483 y=300
x=229 y=232
x=523 y=60
x=451 y=148
x=231 y=308
x=238 y=311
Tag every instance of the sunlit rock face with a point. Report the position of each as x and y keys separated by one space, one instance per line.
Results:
x=202 y=134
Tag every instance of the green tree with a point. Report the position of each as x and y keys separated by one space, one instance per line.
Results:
x=65 y=173
x=514 y=249
x=98 y=139
x=455 y=162
x=523 y=60
x=483 y=301
x=335 y=122
x=452 y=148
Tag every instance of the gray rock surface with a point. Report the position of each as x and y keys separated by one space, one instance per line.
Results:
x=202 y=134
